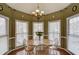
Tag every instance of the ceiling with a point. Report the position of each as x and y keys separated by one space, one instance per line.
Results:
x=46 y=7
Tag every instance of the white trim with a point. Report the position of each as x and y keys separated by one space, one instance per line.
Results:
x=38 y=30
x=59 y=28
x=7 y=28
x=67 y=28
x=22 y=21
x=76 y=15
x=4 y=16
x=38 y=22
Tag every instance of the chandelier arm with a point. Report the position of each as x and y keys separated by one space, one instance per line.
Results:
x=38 y=13
x=37 y=5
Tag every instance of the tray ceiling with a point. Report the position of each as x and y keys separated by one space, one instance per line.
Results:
x=47 y=7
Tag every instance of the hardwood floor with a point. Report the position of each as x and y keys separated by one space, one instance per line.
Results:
x=47 y=51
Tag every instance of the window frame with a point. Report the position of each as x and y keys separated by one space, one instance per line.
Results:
x=23 y=21
x=7 y=29
x=59 y=28
x=33 y=29
x=68 y=25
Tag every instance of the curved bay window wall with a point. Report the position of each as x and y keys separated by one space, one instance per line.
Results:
x=4 y=41
x=22 y=28
x=21 y=32
x=73 y=34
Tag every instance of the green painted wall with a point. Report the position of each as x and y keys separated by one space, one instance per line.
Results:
x=15 y=15
x=63 y=15
x=59 y=15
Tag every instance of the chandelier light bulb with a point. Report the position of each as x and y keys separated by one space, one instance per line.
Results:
x=33 y=12
x=37 y=11
x=42 y=12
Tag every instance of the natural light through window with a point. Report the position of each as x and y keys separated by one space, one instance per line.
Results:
x=3 y=34
x=54 y=32
x=21 y=32
x=37 y=27
x=73 y=34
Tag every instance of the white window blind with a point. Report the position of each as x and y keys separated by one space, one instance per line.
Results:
x=73 y=34
x=54 y=32
x=37 y=27
x=3 y=34
x=21 y=32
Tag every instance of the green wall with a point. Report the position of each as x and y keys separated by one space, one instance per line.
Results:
x=59 y=15
x=13 y=15
x=63 y=15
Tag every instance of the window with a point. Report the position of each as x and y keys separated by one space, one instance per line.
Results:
x=37 y=27
x=3 y=34
x=21 y=32
x=54 y=32
x=73 y=34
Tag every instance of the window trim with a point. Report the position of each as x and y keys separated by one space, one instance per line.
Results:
x=20 y=33
x=33 y=29
x=68 y=25
x=59 y=29
x=7 y=29
x=38 y=22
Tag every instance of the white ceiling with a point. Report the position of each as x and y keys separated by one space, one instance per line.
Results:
x=46 y=7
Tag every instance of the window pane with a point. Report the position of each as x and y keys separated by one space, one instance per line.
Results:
x=21 y=32
x=54 y=32
x=20 y=38
x=3 y=45
x=37 y=27
x=20 y=26
x=73 y=35
x=2 y=26
x=3 y=35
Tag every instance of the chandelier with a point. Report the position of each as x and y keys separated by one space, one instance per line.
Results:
x=38 y=13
